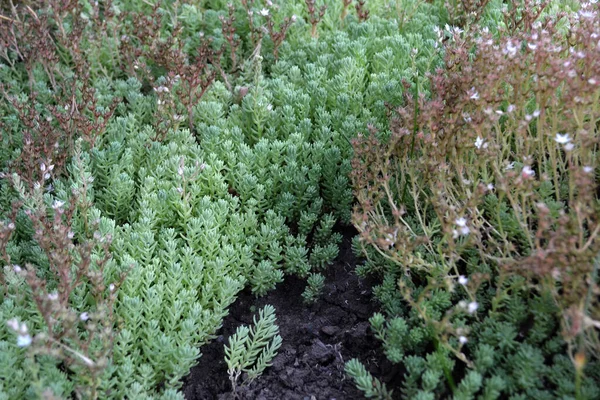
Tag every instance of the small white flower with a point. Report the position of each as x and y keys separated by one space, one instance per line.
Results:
x=562 y=139
x=592 y=81
x=463 y=280
x=71 y=234
x=57 y=204
x=46 y=176
x=17 y=268
x=532 y=46
x=587 y=169
x=527 y=171
x=111 y=287
x=13 y=324
x=472 y=307
x=84 y=316
x=463 y=229
x=42 y=167
x=479 y=142
x=511 y=165
x=180 y=171
x=23 y=340
x=511 y=49
x=462 y=339
x=569 y=146
x=474 y=95
x=536 y=113
x=53 y=296
x=511 y=108
x=264 y=12
x=269 y=107
x=490 y=186
x=11 y=226
x=294 y=18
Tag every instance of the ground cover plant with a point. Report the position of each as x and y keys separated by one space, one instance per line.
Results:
x=479 y=207
x=161 y=159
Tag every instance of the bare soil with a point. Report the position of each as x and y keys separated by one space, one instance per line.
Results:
x=317 y=340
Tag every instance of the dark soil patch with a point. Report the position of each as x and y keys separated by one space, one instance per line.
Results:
x=317 y=341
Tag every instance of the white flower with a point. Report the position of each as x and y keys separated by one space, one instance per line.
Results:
x=180 y=171
x=463 y=280
x=511 y=108
x=111 y=287
x=511 y=49
x=294 y=18
x=17 y=268
x=536 y=113
x=562 y=139
x=23 y=340
x=569 y=146
x=57 y=204
x=11 y=226
x=462 y=339
x=490 y=186
x=592 y=81
x=463 y=229
x=269 y=107
x=84 y=316
x=511 y=165
x=587 y=169
x=42 y=167
x=472 y=307
x=13 y=324
x=53 y=296
x=527 y=171
x=46 y=176
x=474 y=95
x=71 y=234
x=264 y=12
x=479 y=142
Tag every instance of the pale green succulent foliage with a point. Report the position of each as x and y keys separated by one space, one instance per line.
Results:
x=314 y=288
x=255 y=193
x=251 y=349
x=371 y=387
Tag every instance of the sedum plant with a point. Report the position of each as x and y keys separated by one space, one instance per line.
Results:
x=314 y=288
x=478 y=207
x=210 y=168
x=251 y=349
